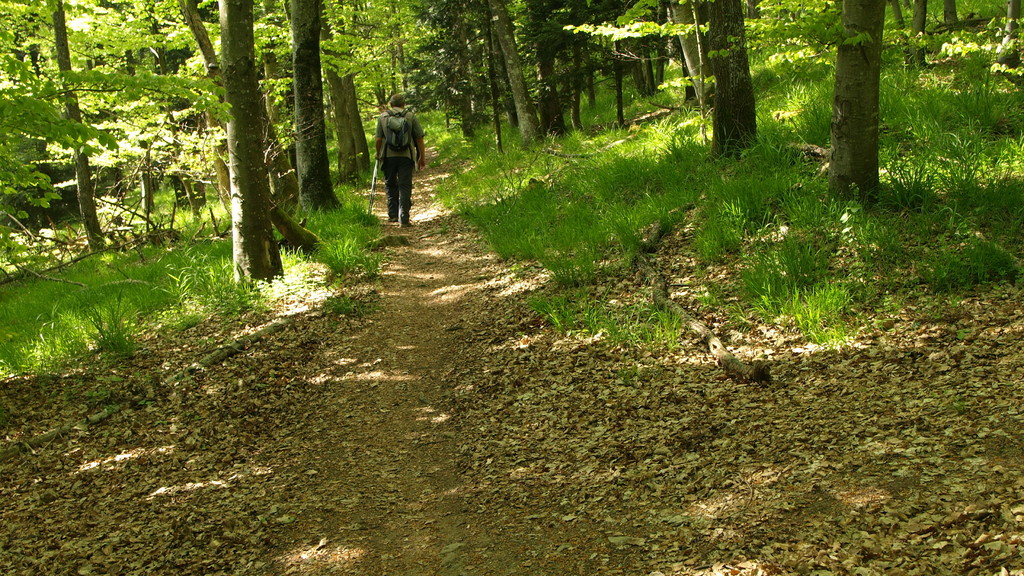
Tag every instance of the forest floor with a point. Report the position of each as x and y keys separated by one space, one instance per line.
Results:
x=447 y=431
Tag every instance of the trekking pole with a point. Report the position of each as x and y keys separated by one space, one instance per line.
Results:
x=373 y=183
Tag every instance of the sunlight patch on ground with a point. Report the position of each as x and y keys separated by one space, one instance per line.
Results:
x=122 y=458
x=380 y=376
x=432 y=415
x=454 y=292
x=864 y=496
x=321 y=557
x=737 y=499
x=188 y=487
x=738 y=568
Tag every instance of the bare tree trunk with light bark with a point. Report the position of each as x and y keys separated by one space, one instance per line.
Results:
x=529 y=126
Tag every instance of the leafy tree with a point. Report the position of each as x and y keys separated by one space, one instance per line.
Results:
x=83 y=170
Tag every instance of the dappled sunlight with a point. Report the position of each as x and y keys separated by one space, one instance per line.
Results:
x=381 y=376
x=116 y=462
x=186 y=488
x=737 y=568
x=429 y=414
x=455 y=292
x=320 y=557
x=863 y=496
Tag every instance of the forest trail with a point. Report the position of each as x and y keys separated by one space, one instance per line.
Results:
x=379 y=454
x=450 y=432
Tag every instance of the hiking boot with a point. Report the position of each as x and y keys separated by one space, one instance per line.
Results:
x=405 y=224
x=393 y=219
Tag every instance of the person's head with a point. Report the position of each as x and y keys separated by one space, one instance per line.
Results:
x=397 y=100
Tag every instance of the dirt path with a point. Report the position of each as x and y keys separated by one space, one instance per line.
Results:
x=384 y=457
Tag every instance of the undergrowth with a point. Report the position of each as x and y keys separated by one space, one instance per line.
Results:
x=108 y=302
x=948 y=217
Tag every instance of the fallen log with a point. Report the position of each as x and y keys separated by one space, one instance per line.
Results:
x=755 y=372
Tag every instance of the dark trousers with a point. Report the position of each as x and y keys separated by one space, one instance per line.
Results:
x=398 y=183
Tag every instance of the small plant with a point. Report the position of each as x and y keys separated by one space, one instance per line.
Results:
x=818 y=313
x=720 y=234
x=559 y=311
x=911 y=187
x=776 y=275
x=570 y=269
x=114 y=327
x=346 y=306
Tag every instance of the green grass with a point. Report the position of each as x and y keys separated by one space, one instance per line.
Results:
x=949 y=214
x=105 y=303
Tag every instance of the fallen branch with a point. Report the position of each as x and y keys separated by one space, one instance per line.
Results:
x=29 y=446
x=755 y=372
x=214 y=357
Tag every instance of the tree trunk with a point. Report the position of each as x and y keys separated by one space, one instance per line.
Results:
x=529 y=129
x=83 y=170
x=492 y=79
x=256 y=256
x=620 y=112
x=190 y=12
x=897 y=13
x=348 y=167
x=916 y=54
x=312 y=163
x=1007 y=54
x=853 y=170
x=552 y=120
x=735 y=117
x=694 y=51
x=949 y=11
x=575 y=87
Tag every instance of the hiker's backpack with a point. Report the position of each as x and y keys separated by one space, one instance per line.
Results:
x=396 y=131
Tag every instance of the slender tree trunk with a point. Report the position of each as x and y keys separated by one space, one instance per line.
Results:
x=492 y=80
x=897 y=13
x=949 y=11
x=853 y=170
x=552 y=120
x=575 y=87
x=83 y=169
x=256 y=256
x=620 y=112
x=348 y=168
x=190 y=12
x=735 y=118
x=916 y=55
x=694 y=51
x=312 y=163
x=529 y=128
x=1007 y=54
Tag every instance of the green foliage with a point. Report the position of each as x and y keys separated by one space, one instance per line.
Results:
x=777 y=273
x=115 y=326
x=968 y=264
x=577 y=312
x=345 y=236
x=818 y=313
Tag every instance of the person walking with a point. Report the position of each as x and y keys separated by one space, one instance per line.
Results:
x=399 y=140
